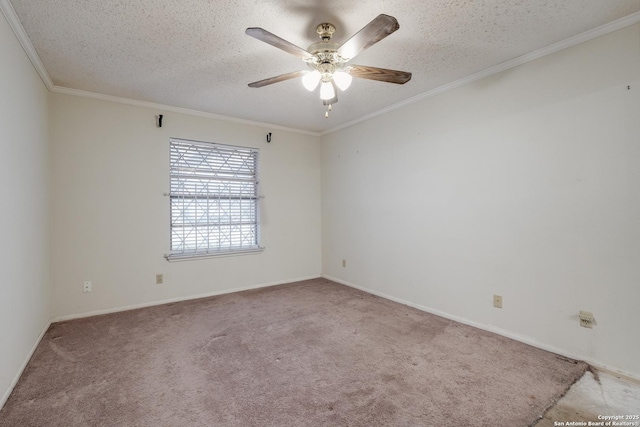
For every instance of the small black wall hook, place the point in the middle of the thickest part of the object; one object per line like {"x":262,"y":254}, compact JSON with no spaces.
{"x":269,"y":137}
{"x":159,"y":123}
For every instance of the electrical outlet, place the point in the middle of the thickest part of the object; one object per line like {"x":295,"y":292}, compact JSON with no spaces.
{"x":344,"y":262}
{"x":86,"y":287}
{"x":159,"y":279}
{"x":497,"y":301}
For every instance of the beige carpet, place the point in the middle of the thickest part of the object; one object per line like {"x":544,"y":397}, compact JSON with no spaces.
{"x":312,"y":353}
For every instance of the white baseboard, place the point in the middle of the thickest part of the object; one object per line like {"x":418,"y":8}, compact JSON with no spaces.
{"x":508,"y":334}
{"x":9,"y":390}
{"x":56,"y":319}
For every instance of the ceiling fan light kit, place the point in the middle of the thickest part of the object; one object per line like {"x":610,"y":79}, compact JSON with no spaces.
{"x":328,"y":60}
{"x":343,"y":79}
{"x":327,"y":91}
{"x":311,"y":80}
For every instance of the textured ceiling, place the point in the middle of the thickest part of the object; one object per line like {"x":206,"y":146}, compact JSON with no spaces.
{"x":194,"y":53}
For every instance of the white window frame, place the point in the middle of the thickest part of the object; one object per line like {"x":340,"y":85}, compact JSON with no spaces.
{"x":214,"y":200}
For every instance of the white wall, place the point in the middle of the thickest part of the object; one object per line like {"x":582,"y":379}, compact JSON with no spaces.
{"x":110,"y":168}
{"x":525,"y":184}
{"x":24,"y":215}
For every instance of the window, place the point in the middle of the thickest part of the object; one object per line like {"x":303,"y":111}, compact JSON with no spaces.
{"x":214,"y":199}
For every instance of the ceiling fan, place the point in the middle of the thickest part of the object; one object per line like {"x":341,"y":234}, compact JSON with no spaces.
{"x":328,"y":61}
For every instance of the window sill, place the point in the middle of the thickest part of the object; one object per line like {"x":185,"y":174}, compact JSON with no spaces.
{"x":194,"y":256}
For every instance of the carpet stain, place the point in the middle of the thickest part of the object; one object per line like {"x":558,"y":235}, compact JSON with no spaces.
{"x":361,"y":393}
{"x":217,"y":337}
{"x":66,"y":355}
{"x":388,"y":378}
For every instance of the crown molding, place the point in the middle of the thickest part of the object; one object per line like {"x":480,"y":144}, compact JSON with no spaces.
{"x":532,"y":56}
{"x":15,"y":24}
{"x":180,"y":110}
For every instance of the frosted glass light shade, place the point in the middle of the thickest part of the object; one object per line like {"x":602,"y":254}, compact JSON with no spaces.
{"x":342,"y":79}
{"x":327,"y":91}
{"x":310,"y":80}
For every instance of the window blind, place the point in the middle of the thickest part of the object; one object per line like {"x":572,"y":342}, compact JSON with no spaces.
{"x":214,"y":198}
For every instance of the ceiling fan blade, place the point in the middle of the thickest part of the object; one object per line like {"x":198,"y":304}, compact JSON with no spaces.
{"x":267,"y":37}
{"x":276,"y":79}
{"x":380,"y":74}
{"x":372,"y":33}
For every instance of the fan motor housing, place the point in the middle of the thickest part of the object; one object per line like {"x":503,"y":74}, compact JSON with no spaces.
{"x":325,"y":51}
{"x":318,"y":47}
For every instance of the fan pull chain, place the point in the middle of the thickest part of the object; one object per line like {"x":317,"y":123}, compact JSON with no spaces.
{"x":326,"y":114}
